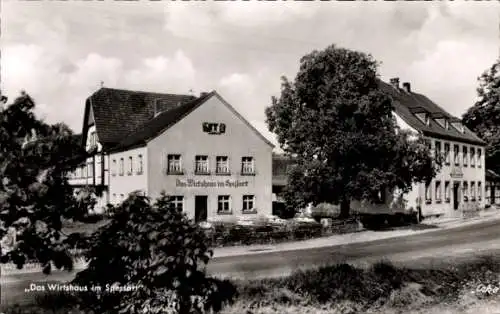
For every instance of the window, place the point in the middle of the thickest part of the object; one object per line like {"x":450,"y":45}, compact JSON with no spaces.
{"x":201,"y":164}
{"x":456,"y":156}
{"x":139,"y":164}
{"x":479,"y":190}
{"x":473,"y":191}
{"x":438,"y":149}
{"x":447,"y":153}
{"x":222,"y":165}
{"x":479,"y":157}
{"x":122,"y":197}
{"x":85,"y":171}
{"x":177,"y":203}
{"x":465,"y":191}
{"x":99,"y":167}
{"x":472,"y":157}
{"x":90,"y":172}
{"x":92,"y":139}
{"x":113,"y":168}
{"x":248,"y":203}
{"x":438,"y":192}
{"x":428,"y":196}
{"x":114,"y":198}
{"x":174,"y":164}
{"x":447,"y":191}
{"x":247,"y":165}
{"x":122,"y":167}
{"x":223,"y":204}
{"x":130,"y":166}
{"x":464,"y":157}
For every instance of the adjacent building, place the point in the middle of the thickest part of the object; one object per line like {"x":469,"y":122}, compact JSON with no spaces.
{"x":460,"y":185}
{"x":198,"y":150}
{"x":492,"y":187}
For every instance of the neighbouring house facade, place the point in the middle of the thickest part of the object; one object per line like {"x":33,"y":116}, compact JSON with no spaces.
{"x":492,"y":187}
{"x":198,"y":150}
{"x":460,"y":184}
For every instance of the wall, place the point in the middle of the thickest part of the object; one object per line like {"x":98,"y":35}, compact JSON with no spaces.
{"x":121,"y":185}
{"x":449,"y":173}
{"x":416,"y":196}
{"x":187,"y":138}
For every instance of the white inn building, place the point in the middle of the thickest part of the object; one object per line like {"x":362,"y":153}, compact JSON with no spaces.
{"x":198,"y":150}
{"x":460,"y":185}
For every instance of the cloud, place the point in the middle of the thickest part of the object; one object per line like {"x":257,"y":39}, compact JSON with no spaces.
{"x":217,"y":21}
{"x":449,"y":72}
{"x":162,"y":74}
{"x":95,"y":68}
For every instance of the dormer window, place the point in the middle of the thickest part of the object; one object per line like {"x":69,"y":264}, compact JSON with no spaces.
{"x":423,"y":117}
{"x":421,"y":114}
{"x":440,"y":121}
{"x":458,"y":126}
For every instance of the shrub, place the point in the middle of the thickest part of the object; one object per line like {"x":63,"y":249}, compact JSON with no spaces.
{"x":157,"y":251}
{"x":282,"y":211}
{"x":325,"y":210}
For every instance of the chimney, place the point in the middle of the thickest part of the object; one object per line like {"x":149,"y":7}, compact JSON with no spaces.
{"x":407,"y":87}
{"x":394,"y":82}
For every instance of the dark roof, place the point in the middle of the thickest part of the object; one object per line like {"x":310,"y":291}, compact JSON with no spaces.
{"x":158,"y":124}
{"x":408,"y":103}
{"x":118,"y":112}
{"x":492,"y":175}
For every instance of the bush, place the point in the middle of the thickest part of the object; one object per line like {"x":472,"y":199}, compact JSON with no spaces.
{"x":282,"y":211}
{"x":325,"y":210}
{"x":159,"y":253}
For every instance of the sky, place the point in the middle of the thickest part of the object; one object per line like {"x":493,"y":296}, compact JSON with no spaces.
{"x":59,"y":52}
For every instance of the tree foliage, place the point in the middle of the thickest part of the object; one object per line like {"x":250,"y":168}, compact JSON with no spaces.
{"x":160,"y":251}
{"x":337,"y":124}
{"x":483,"y":117}
{"x":34,"y":192}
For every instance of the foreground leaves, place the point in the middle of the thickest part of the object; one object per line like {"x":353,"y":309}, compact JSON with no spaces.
{"x":34,"y":192}
{"x":157,"y":252}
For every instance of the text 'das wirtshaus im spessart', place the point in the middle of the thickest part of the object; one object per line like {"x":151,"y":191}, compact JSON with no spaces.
{"x":191,"y":183}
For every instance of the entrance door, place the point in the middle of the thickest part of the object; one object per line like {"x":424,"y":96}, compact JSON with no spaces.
{"x":200,"y":208}
{"x":492,"y":194}
{"x":456,"y":189}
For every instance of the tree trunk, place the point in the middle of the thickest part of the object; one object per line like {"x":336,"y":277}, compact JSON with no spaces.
{"x":344,"y":208}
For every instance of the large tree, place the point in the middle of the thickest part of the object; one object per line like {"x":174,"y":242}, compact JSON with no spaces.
{"x":35,"y":195}
{"x":484,"y":116}
{"x":338,"y":125}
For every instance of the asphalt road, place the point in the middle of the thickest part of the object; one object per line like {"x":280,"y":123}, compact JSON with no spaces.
{"x":415,"y":250}
{"x":420,"y":250}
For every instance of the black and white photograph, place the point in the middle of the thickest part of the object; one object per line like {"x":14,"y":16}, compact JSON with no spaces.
{"x":249,"y":157}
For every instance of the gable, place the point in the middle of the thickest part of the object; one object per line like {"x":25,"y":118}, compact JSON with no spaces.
{"x":213,"y":120}
{"x":209,"y":120}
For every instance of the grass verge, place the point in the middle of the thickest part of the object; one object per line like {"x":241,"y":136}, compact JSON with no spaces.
{"x":381,"y":288}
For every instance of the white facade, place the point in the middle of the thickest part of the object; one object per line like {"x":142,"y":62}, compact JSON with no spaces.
{"x":143,"y":169}
{"x":128,"y":173}
{"x":460,"y":184}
